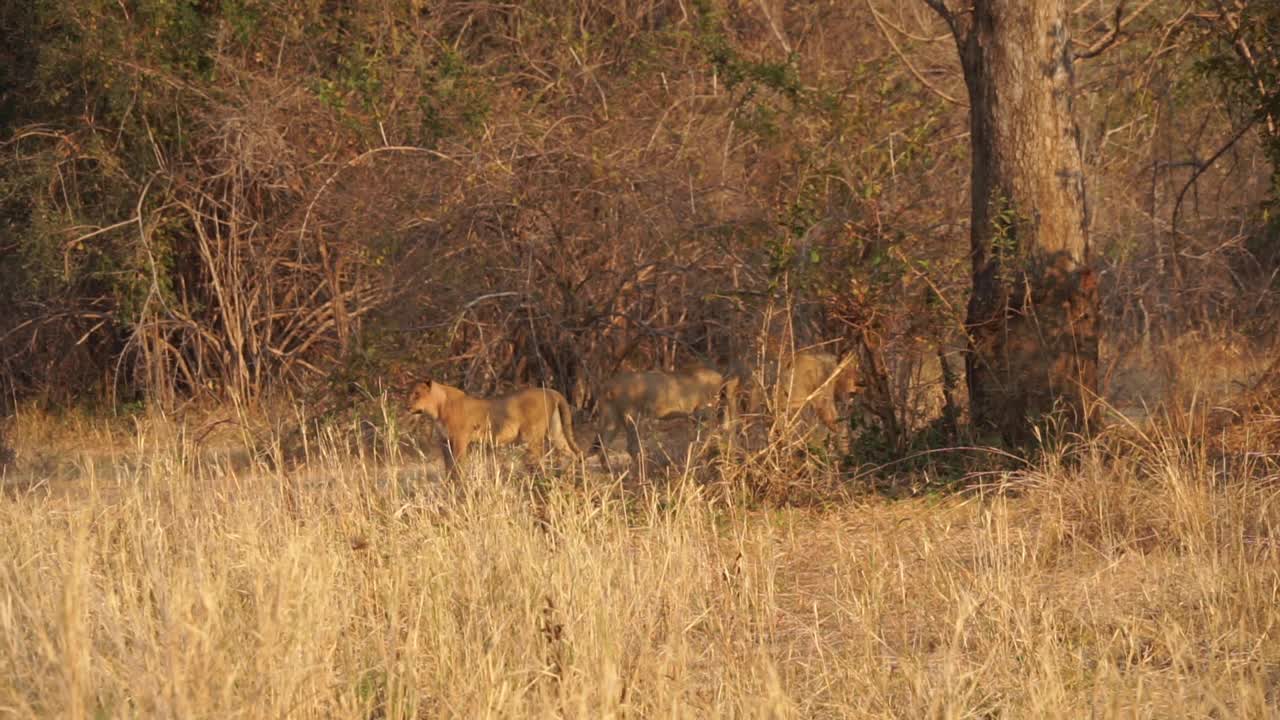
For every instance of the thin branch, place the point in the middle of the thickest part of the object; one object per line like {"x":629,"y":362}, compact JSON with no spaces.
{"x":37,"y":131}
{"x":306,"y":219}
{"x":901,"y":29}
{"x":941,"y":8}
{"x":777,"y":33}
{"x":75,"y":242}
{"x":901,"y":56}
{"x":1246,"y":54}
{"x":959,"y":24}
{"x":1200,"y":170}
{"x":1107,"y":40}
{"x":1117,"y":27}
{"x":490,"y":296}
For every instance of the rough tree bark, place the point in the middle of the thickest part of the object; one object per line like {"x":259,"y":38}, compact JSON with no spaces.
{"x":1033,"y":339}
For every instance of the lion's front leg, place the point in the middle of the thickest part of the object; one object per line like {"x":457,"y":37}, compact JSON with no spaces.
{"x":826,"y":410}
{"x":454,"y":447}
{"x":631,"y":424}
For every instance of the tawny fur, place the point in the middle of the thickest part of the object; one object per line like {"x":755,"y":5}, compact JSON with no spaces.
{"x":630,"y":396}
{"x":805,"y":382}
{"x":529,"y":416}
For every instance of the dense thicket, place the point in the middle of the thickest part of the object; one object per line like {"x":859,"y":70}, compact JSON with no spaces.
{"x":204,"y":197}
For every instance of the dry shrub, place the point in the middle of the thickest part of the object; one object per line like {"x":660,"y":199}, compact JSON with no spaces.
{"x":540,"y":193}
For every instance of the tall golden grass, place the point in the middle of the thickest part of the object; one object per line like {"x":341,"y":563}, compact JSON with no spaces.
{"x":1128,"y":576}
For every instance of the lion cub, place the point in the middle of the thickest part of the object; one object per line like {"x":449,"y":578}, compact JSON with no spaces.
{"x":812,"y":379}
{"x":528,"y":416}
{"x":656,"y":394}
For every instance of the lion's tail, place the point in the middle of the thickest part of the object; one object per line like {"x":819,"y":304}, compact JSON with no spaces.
{"x":566,"y":424}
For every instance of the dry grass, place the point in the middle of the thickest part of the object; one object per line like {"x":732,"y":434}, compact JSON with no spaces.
{"x":1133,"y":577}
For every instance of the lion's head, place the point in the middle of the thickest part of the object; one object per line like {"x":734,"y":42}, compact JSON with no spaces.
{"x":427,"y":398}
{"x":709,"y":383}
{"x":849,"y":381}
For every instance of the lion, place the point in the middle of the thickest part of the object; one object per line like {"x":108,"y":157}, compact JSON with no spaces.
{"x":629,"y":396}
{"x":811,"y":380}
{"x":528,"y":416}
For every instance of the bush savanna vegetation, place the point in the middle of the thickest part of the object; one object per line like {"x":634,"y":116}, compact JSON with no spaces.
{"x":233,"y":234}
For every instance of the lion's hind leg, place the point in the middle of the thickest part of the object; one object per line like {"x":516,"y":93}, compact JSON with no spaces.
{"x":558,"y":434}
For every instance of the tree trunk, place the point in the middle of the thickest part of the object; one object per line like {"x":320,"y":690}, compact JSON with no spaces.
{"x":1033,"y":343}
